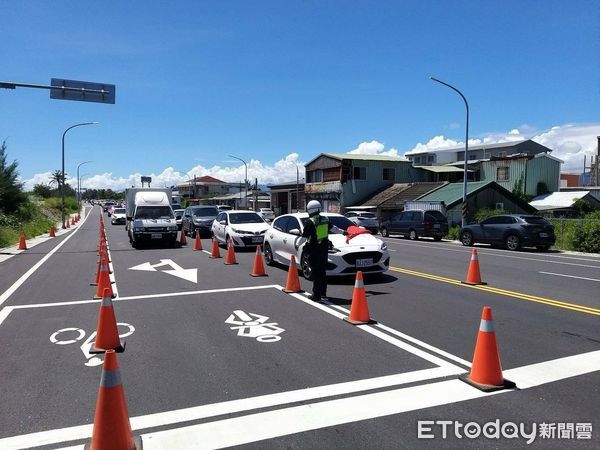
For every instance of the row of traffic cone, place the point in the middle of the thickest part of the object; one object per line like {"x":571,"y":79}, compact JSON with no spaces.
{"x":112,"y":428}
{"x":23,"y":242}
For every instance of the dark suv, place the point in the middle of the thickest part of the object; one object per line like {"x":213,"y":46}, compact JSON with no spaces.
{"x":198,"y":219}
{"x":511,"y":230}
{"x":415,"y":224}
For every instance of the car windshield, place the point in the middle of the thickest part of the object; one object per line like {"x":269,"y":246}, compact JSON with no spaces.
{"x":178,"y":213}
{"x":340,"y":222}
{"x":154,"y":212}
{"x":119,"y":211}
{"x":249,"y":217}
{"x":205,"y":212}
{"x":367,"y":215}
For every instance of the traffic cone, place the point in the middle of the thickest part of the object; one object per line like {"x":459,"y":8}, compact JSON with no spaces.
{"x":215,"y":249}
{"x":182,"y":238}
{"x":230,"y":257}
{"x":486,"y":370}
{"x":359,"y":311}
{"x":473,"y":275}
{"x":107,"y":333}
{"x":73,"y":221}
{"x":198,"y":242}
{"x":67,"y":225}
{"x":112,"y":429}
{"x":293,"y":281}
{"x":258,"y":270}
{"x":104,"y":280}
{"x":22,"y":243}
{"x":52,"y":232}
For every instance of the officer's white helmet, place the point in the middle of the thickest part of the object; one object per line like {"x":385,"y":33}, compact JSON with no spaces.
{"x":313,"y":207}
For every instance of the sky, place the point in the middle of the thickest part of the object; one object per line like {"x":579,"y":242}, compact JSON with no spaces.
{"x":276,"y":83}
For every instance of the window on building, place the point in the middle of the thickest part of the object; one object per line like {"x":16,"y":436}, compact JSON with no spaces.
{"x":430,"y":158}
{"x":314,"y":176}
{"x":502,"y":174}
{"x":418,"y":160}
{"x":472,"y":156}
{"x":360,"y":173}
{"x":389,"y":174}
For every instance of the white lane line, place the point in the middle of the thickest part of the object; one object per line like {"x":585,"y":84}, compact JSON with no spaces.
{"x":6,"y":294}
{"x":569,"y":276}
{"x":229,"y":407}
{"x":142,"y":297}
{"x":4,"y":313}
{"x":297,"y":419}
{"x":486,"y":251}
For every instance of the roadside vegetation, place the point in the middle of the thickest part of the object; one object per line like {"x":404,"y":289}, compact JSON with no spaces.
{"x":31,"y":213}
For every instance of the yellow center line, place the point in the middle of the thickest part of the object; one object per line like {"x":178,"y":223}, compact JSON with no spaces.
{"x":519,"y":295}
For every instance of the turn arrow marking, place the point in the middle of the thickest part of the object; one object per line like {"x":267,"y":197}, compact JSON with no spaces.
{"x":176,"y":269}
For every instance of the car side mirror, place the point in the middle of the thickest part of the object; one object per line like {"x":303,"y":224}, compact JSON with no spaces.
{"x":295,"y":231}
{"x":223,"y":222}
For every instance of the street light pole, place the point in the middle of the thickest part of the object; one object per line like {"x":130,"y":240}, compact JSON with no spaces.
{"x":297,"y":189}
{"x":246,"y":177}
{"x":79,"y":184}
{"x":62,"y":184}
{"x":464,"y":202}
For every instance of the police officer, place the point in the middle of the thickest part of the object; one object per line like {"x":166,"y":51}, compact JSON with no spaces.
{"x":316,"y":231}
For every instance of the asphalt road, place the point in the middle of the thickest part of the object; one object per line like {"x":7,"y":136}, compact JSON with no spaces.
{"x":217,"y":358}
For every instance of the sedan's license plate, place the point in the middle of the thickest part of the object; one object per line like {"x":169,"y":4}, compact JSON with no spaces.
{"x":366,"y":262}
{"x":257,"y":239}
{"x":156,"y":236}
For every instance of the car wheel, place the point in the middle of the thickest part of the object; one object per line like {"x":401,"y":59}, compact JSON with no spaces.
{"x":305,"y":266}
{"x":268,"y":255}
{"x":466,"y":238}
{"x":543,"y":248}
{"x":512,"y":242}
{"x":384,"y":232}
{"x":412,"y":235}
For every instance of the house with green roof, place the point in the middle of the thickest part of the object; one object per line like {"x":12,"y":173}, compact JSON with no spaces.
{"x":338,"y":180}
{"x":480,"y":194}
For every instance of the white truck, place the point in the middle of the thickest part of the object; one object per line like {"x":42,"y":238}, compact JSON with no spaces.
{"x":149,"y":216}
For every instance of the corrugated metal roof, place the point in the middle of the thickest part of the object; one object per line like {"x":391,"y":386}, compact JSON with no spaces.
{"x":453,"y":192}
{"x":443,"y":169}
{"x":396,"y":195}
{"x":459,"y":148}
{"x":557,"y":199}
{"x":366,"y":157}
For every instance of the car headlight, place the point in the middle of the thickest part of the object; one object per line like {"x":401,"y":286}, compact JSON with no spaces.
{"x":238,"y":231}
{"x":138,"y":229}
{"x":334,"y":250}
{"x":383,"y":246}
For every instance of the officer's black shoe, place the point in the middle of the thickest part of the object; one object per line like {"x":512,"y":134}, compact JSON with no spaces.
{"x":314,"y":298}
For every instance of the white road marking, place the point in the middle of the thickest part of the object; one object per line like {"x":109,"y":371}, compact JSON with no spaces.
{"x":177,"y":270}
{"x":500,"y":253}
{"x":569,"y":276}
{"x":229,"y":407}
{"x":10,"y":291}
{"x":297,"y":419}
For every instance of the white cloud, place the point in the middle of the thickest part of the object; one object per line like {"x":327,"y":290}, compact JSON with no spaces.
{"x":373,"y":148}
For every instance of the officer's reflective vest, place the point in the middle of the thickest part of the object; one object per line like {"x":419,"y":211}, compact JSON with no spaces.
{"x":322,"y":226}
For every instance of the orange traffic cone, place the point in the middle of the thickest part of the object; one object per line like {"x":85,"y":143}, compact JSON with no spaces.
{"x":52,"y":232}
{"x":359,"y":311}
{"x":473,"y":275}
{"x":486,"y":371}
{"x":182,"y":239}
{"x":198,"y":242}
{"x":112,"y":429}
{"x":22,"y":243}
{"x":104,"y":280}
{"x":67,"y":225}
{"x":293,"y":281}
{"x":230,"y":257}
{"x":107,"y":333}
{"x":215,"y":249}
{"x":73,"y":221}
{"x":259,"y":267}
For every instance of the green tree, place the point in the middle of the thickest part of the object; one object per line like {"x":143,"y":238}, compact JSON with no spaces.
{"x":42,"y":190}
{"x":56,"y":178}
{"x":519,"y":191}
{"x":11,"y":190}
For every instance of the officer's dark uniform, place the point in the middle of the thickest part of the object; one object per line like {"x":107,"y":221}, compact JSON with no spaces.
{"x":316,"y":232}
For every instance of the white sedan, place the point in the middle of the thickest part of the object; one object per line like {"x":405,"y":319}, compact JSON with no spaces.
{"x":347,"y":254}
{"x":244,"y":228}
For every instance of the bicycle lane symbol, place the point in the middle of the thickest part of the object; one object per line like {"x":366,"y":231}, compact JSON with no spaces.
{"x":67,"y":336}
{"x":254,"y":326}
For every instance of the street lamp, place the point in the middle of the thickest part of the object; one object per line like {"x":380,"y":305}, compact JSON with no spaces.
{"x":62,"y":185}
{"x":464,"y":202}
{"x":246,"y":177}
{"x":79,"y":184}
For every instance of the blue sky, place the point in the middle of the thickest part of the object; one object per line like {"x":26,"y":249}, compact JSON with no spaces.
{"x":278,"y":82}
